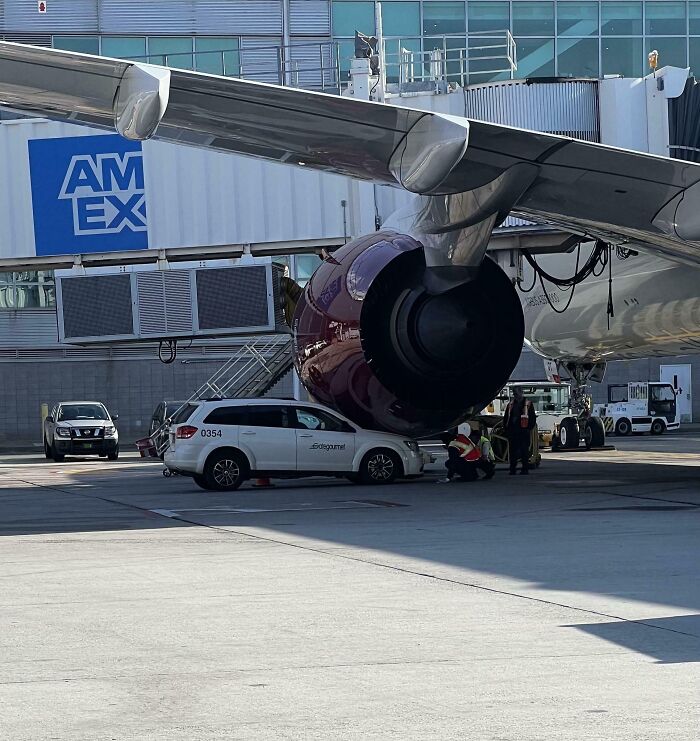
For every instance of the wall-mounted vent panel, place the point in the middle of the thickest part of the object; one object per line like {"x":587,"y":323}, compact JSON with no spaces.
{"x":214,"y":291}
{"x":165,"y":302}
{"x":215,"y":298}
{"x":97,"y":305}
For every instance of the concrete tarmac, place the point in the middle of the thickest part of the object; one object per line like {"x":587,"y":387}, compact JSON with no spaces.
{"x":562,"y":605}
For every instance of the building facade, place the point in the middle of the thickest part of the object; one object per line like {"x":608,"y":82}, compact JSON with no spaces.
{"x":262,"y":38}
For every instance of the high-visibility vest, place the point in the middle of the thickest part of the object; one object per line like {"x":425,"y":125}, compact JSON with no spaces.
{"x":466,"y":448}
{"x":489,"y":450}
{"x":524,"y":415}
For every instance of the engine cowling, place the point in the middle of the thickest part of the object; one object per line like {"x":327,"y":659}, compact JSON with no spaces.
{"x":373,"y":343}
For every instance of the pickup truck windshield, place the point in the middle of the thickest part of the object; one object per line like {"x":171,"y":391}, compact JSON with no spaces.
{"x":69,"y":412}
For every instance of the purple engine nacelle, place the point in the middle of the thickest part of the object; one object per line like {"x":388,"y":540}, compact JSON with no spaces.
{"x":373,"y":343}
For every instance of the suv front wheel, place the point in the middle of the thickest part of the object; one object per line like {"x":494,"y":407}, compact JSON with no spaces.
{"x":225,"y":470}
{"x":380,"y":466}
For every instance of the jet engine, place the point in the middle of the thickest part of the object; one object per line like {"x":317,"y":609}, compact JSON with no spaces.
{"x":372,"y":341}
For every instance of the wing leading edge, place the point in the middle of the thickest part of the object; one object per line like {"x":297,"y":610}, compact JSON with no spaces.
{"x":587,"y":188}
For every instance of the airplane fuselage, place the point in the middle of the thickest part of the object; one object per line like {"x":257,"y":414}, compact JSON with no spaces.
{"x":656,"y":310}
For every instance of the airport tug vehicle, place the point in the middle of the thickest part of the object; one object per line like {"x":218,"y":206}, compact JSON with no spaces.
{"x":639,"y":406}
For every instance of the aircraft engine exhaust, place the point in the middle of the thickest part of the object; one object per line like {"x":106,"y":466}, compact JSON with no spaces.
{"x":373,"y":343}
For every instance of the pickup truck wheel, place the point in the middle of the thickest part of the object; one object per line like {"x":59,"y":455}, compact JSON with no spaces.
{"x":380,"y":466}
{"x":225,"y":470}
{"x":47,"y":450}
{"x":113,"y":456}
{"x":58,"y":457}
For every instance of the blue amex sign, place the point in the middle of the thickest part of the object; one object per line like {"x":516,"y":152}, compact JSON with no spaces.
{"x":87,"y":195}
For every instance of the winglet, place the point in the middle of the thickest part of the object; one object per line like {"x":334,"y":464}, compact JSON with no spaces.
{"x":141,"y":100}
{"x":429,"y":152}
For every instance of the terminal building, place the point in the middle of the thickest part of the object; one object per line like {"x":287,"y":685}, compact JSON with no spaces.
{"x":468,"y":58}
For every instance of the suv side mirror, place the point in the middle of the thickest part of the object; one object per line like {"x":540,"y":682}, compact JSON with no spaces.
{"x":114,"y":417}
{"x":49,"y":418}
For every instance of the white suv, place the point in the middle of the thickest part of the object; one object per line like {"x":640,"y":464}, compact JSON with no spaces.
{"x":220,"y":444}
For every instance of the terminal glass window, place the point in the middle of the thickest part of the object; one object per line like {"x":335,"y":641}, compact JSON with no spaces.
{"x":349,"y":17}
{"x":694,"y":18}
{"x":27,"y":290}
{"x":217,"y":55}
{"x":82,"y":44}
{"x":578,"y":57}
{"x":401,"y":19}
{"x":621,"y":18}
{"x":533,"y":19}
{"x":694,"y":61}
{"x":665,"y":18}
{"x":577,"y":19}
{"x":488,"y":16}
{"x":124,"y":47}
{"x":443,"y":18}
{"x":171,"y":51}
{"x":623,"y":57}
{"x":672,"y":50}
{"x":535,"y":57}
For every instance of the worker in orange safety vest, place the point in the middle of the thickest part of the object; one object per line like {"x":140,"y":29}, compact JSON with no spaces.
{"x":463,"y":456}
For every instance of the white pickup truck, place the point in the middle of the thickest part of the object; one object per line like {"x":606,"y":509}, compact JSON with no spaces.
{"x":80,"y":428}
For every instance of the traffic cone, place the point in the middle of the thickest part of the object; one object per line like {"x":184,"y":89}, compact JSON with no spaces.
{"x":263,"y":483}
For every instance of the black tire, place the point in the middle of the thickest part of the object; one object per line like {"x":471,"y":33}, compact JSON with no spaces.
{"x":623,"y":427}
{"x":47,"y":450}
{"x":594,"y":433}
{"x":380,"y":466}
{"x":658,"y":427}
{"x":58,"y":457}
{"x":568,"y":433}
{"x":225,"y":470}
{"x":113,"y":456}
{"x":201,"y":482}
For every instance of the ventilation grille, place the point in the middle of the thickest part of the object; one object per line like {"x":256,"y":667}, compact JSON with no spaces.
{"x":233,"y":297}
{"x":97,"y":306}
{"x":165,"y":303}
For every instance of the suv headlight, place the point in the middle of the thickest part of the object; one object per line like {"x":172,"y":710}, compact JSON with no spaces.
{"x":63,"y":431}
{"x":412,"y":445}
{"x":109,"y":431}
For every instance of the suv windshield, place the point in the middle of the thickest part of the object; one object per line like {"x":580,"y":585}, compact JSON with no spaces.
{"x":69,"y":412}
{"x":547,"y":399}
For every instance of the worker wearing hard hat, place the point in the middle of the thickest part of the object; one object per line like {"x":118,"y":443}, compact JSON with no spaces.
{"x":462,"y":456}
{"x":518,"y":421}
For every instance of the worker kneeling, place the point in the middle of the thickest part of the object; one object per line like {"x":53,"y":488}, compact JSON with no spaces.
{"x":468,"y":453}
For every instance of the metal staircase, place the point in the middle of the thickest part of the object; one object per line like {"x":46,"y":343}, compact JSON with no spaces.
{"x":251,"y":372}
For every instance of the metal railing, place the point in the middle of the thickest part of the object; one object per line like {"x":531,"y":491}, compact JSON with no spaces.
{"x":484,"y":56}
{"x":249,"y":373}
{"x":314,"y":66}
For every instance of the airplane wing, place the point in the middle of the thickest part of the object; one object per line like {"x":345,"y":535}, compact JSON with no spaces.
{"x":621,"y":196}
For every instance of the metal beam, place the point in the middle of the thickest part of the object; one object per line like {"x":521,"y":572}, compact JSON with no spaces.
{"x":173,"y":254}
